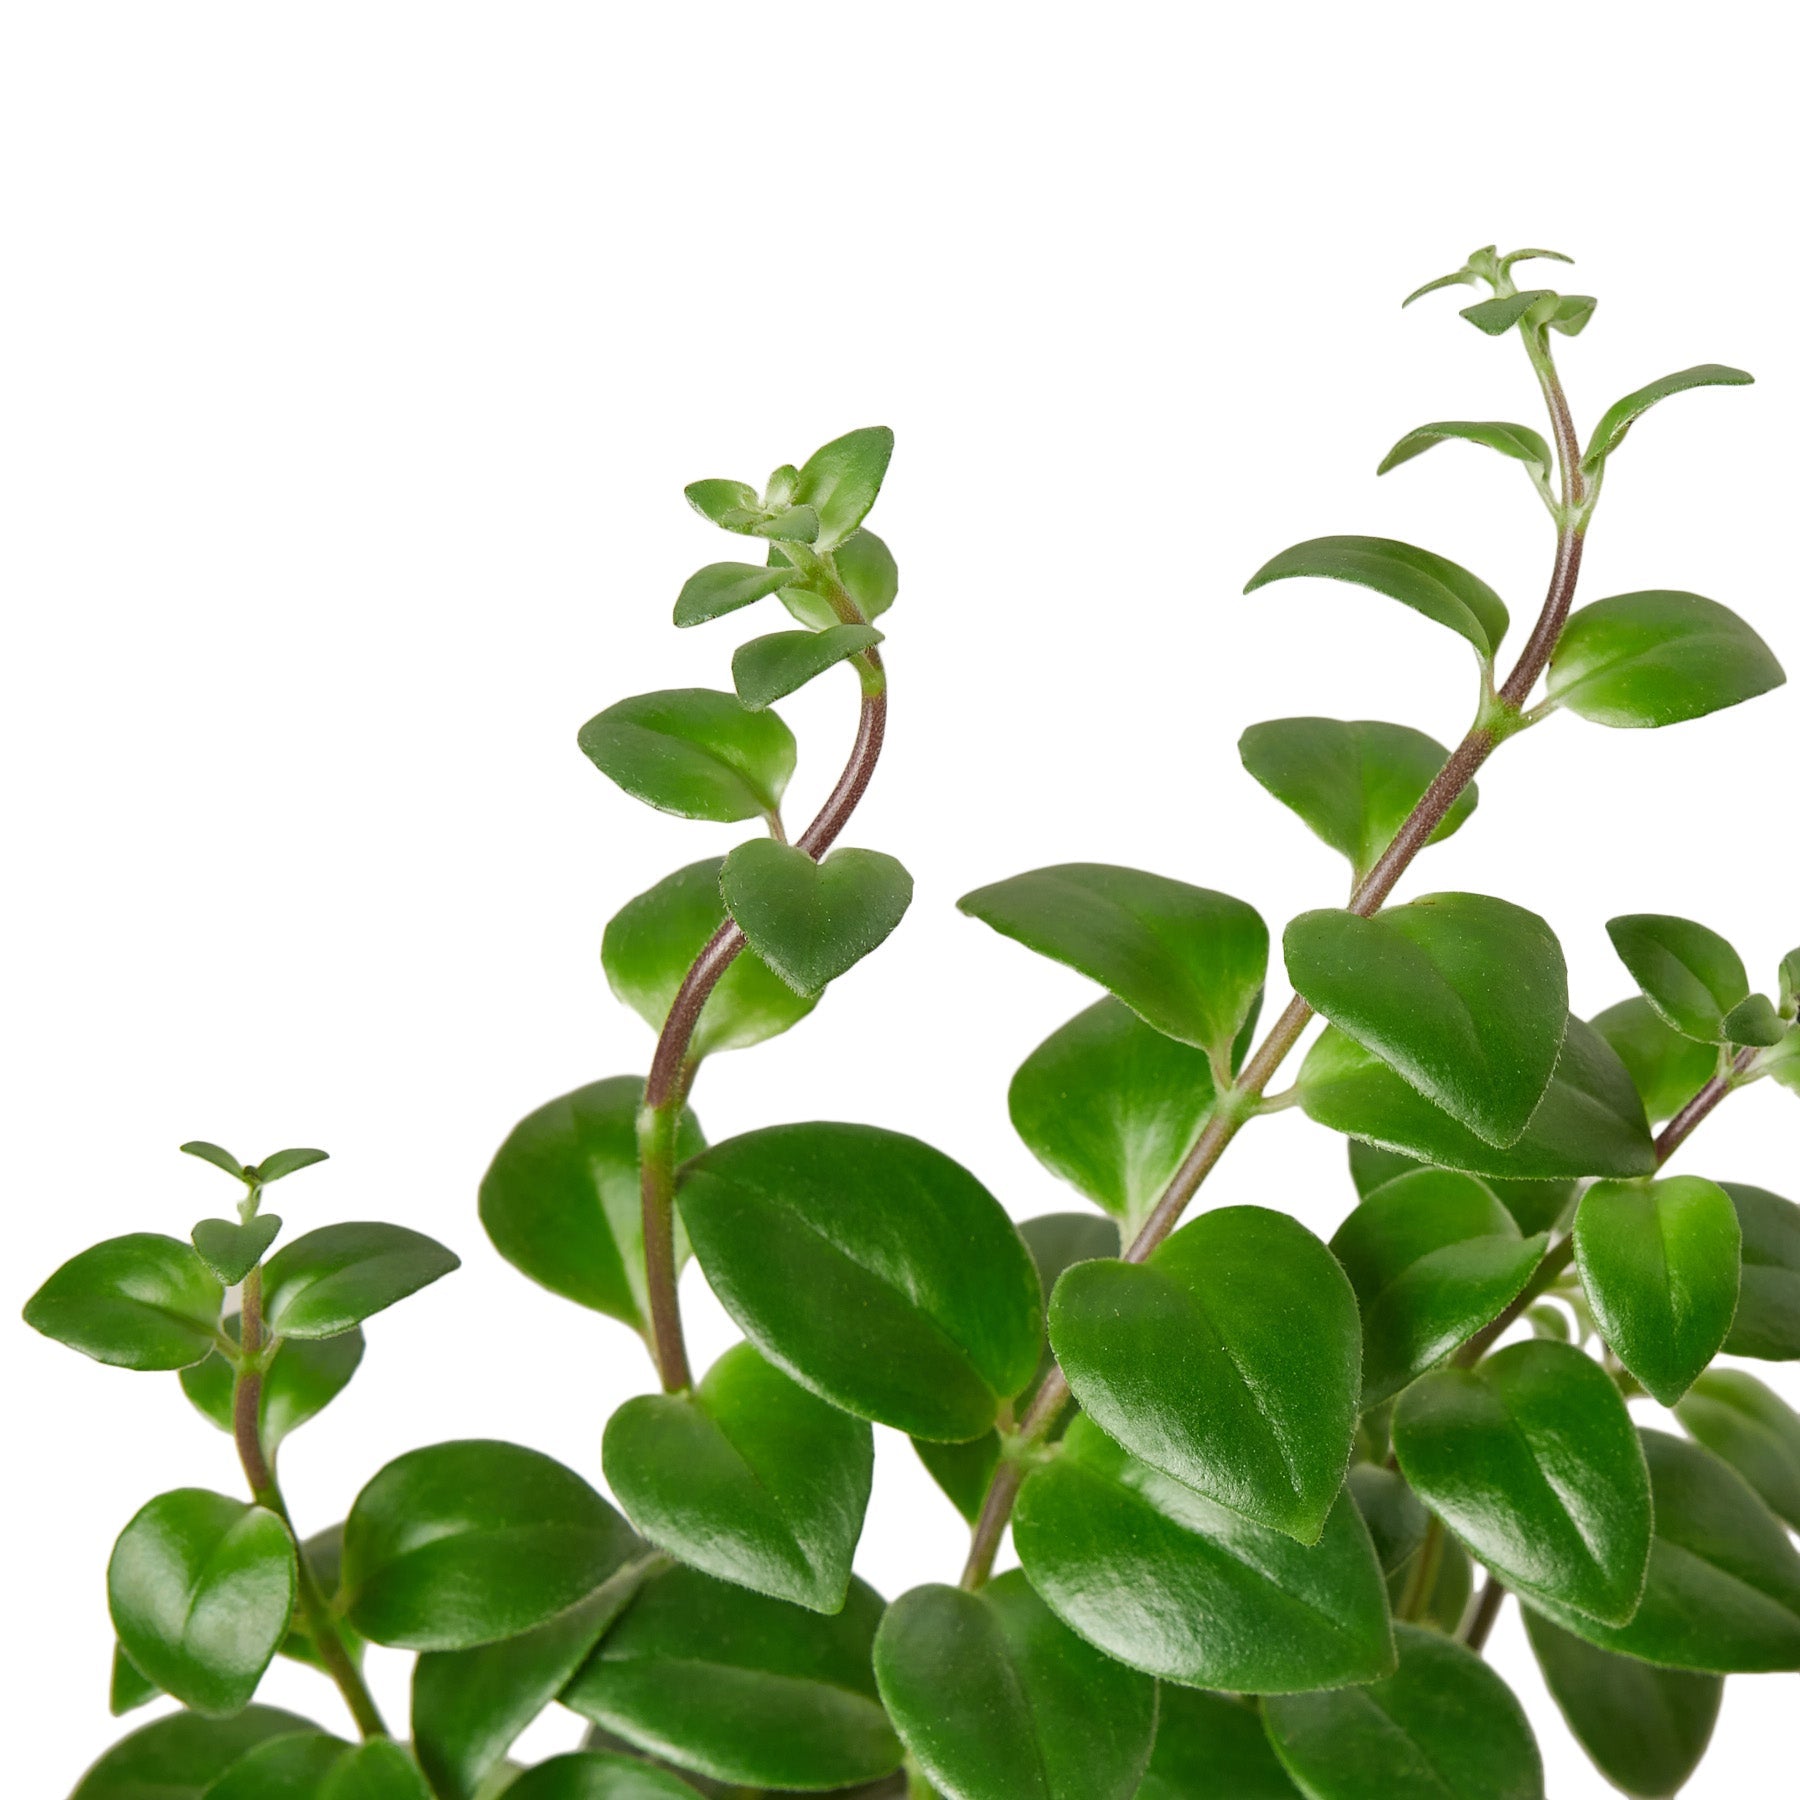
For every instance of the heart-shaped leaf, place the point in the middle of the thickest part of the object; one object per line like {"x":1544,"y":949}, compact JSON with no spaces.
{"x":596,"y":1775}
{"x":339,"y":1275}
{"x":230,"y":1250}
{"x":1443,"y":1726}
{"x":180,"y":1756}
{"x":1415,"y":984}
{"x":810,"y":921}
{"x":1168,"y":1582}
{"x":1229,"y":1360}
{"x":740,"y":1687}
{"x":303,"y":1378}
{"x":652,"y":942}
{"x":870,"y":1267}
{"x":561,"y":1201}
{"x":1519,"y":442}
{"x":1644,"y":1728}
{"x":768,"y":668}
{"x":464,"y":1543}
{"x":998,"y":1700}
{"x":143,"y":1301}
{"x":1430,"y":584}
{"x":865,"y":566}
{"x":1659,"y":1261}
{"x":840,"y":480}
{"x":1723,"y":1592}
{"x":693,"y":752}
{"x":1735,"y":1416}
{"x":1767,"y":1324}
{"x":1432,"y":1256}
{"x":723,"y":587}
{"x":1690,"y":975}
{"x":1656,"y":658}
{"x":1589,"y":1122}
{"x":1754,"y":1022}
{"x":201,"y":1588}
{"x":1667,"y":1068}
{"x":1530,"y":1458}
{"x":1622,"y":414}
{"x":1212,"y":1747}
{"x":1185,"y":959}
{"x":748,"y":1477}
{"x":1354,"y":782}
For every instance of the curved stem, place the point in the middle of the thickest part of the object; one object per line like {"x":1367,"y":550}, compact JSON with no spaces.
{"x":1474,"y":1630}
{"x":259,"y":1471}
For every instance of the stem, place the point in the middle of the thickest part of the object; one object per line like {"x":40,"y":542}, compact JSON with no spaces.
{"x":1422,"y":1577}
{"x":259,"y":1471}
{"x":1475,"y":1629}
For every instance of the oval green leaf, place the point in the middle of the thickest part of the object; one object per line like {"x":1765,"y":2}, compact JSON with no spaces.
{"x":284,"y":1163}
{"x":284,"y":1768}
{"x":181,"y":1756}
{"x":300,"y":1382}
{"x":1735,"y":1416}
{"x":1622,"y":414}
{"x":840,"y":480}
{"x":768,"y":668}
{"x":721,"y":588}
{"x":334,"y":1278}
{"x":1667,"y":1068}
{"x":1689,"y":974}
{"x":1767,"y":1325}
{"x":1519,"y":442}
{"x":143,"y":1301}
{"x":596,"y":1775}
{"x":694,"y":752}
{"x":1534,"y":1205}
{"x":1212,"y":1747}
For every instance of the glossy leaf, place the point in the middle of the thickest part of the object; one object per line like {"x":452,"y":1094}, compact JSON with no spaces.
{"x":1689,"y":974}
{"x":1394,"y":1514}
{"x":1212,"y":1747}
{"x":1644,"y":1728}
{"x":302,"y":1380}
{"x":1667,"y":1068}
{"x":595,"y":1775}
{"x":693,"y":752}
{"x":1657,"y":658}
{"x":1185,"y":959}
{"x":1415,"y":984}
{"x":464,"y":1543}
{"x":748,"y":1477}
{"x":1590,"y":1121}
{"x":1443,"y":591}
{"x":1534,"y":1205}
{"x":1499,"y":315}
{"x":284,"y":1163}
{"x":143,"y":1301}
{"x":232,"y":1250}
{"x":768,"y":668}
{"x":865,"y":566}
{"x":284,"y":1768}
{"x":217,"y":1155}
{"x":870,"y":1267}
{"x":812,"y":921}
{"x":1519,"y":442}
{"x":178,"y":1757}
{"x":1229,"y":1360}
{"x":1112,"y":1106}
{"x":1767,"y":1324}
{"x":1622,"y":414}
{"x":840,"y":480}
{"x":1432,"y":1257}
{"x":1723,"y":1592}
{"x":997,"y":1699}
{"x":721,"y":588}
{"x":1354,"y":782}
{"x":1530,"y":1458}
{"x":561,"y":1201}
{"x":741,"y":1687}
{"x":1735,"y":1416}
{"x":201,"y":1588}
{"x":1168,"y":1582}
{"x":377,"y":1770}
{"x":129,"y":1687}
{"x":339,"y":1275}
{"x":1443,"y":1726}
{"x":1753,"y":1021}
{"x":652,"y":942}
{"x":1659,"y":1262}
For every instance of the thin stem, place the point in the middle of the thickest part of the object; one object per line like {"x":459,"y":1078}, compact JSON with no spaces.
{"x":259,"y":1471}
{"x":996,"y":1509}
{"x":1422,"y":1578}
{"x":1475,"y":1628}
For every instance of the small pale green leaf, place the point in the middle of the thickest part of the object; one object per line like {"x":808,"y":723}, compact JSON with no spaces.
{"x":1689,"y":974}
{"x":719,"y":500}
{"x":1754,"y":1022}
{"x":219,"y":1157}
{"x":1667,"y":1068}
{"x":339,"y":1275}
{"x":1501,"y":314}
{"x":284,"y":1163}
{"x":180,"y":1756}
{"x":1456,"y":278}
{"x":1212,"y":1747}
{"x":143,"y":1301}
{"x":693,"y":752}
{"x":1572,"y":314}
{"x":596,"y":1775}
{"x":1767,"y":1325}
{"x":130,"y":1687}
{"x":305,"y":1376}
{"x":232,"y":1250}
{"x":840,"y":480}
{"x":767,"y":668}
{"x":1622,"y":414}
{"x":1735,"y":1416}
{"x":722,"y":588}
{"x":1519,"y":442}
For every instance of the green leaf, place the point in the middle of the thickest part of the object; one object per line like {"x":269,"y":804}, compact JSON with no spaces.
{"x":1186,"y":960}
{"x":748,"y":1477}
{"x":464,"y":1543}
{"x":1230,"y":1360}
{"x":1168,"y":1582}
{"x":1417,"y":985}
{"x":284,"y":1163}
{"x":377,"y":1770}
{"x":1659,"y":1261}
{"x":1723,"y":1593}
{"x":840,"y":480}
{"x":1667,"y":1068}
{"x":1622,"y":414}
{"x":722,"y":588}
{"x":1212,"y":1747}
{"x":1655,"y":658}
{"x":1498,"y":316}
{"x":594,"y":1775}
{"x":469,"y":1705}
{"x":1531,"y":1460}
{"x":1443,"y":1726}
{"x":866,"y":568}
{"x":1519,"y":442}
{"x":719,"y":500}
{"x":1432,"y":1256}
{"x":1590,"y":1121}
{"x":219,"y":1158}
{"x":1464,"y":277}
{"x":1644,"y":1728}
{"x":304,"y":1377}
{"x":998,"y":1700}
{"x":652,"y":943}
{"x":1447,"y":1598}
{"x":1572,"y":314}
{"x":231,"y":1250}
{"x":1394,"y":1514}
{"x":1112,"y":1106}
{"x":130,"y":1687}
{"x":767,"y":668}
{"x":1689,"y":974}
{"x":1443,"y":591}
{"x":811,"y":921}
{"x":339,"y":1275}
{"x":1767,"y":1324}
{"x":284,"y":1768}
{"x":1735,"y":1416}
{"x":561,"y":1202}
{"x":736,"y":506}
{"x":180,"y":1756}
{"x":1753,"y":1021}
{"x":693,"y":752}
{"x":741,"y":1687}
{"x":201,"y":1588}
{"x":1535,"y":1205}
{"x":872,"y":1269}
{"x":143,"y":1301}
{"x":1353,"y":782}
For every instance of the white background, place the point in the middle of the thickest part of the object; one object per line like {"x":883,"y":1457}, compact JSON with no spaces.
{"x":354,"y":360}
